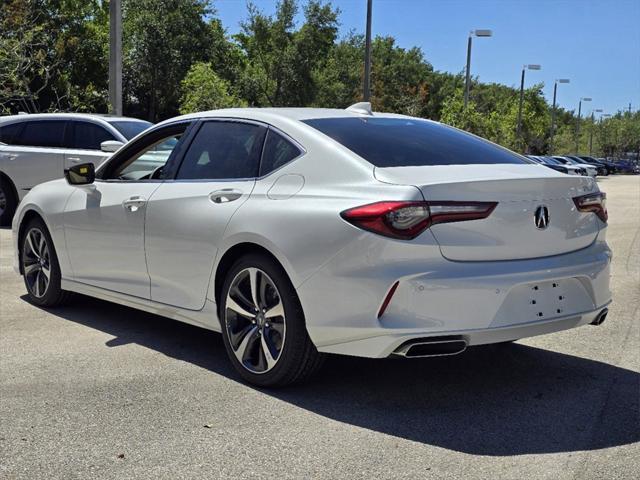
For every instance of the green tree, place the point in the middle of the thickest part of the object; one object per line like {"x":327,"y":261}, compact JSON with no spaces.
{"x":203,"y":89}
{"x":280,"y":60}
{"x":162,"y":39}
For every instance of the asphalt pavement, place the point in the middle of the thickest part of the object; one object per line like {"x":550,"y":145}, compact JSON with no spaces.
{"x":95,"y":390}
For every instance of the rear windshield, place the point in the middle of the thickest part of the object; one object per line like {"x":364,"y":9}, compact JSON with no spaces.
{"x":399,"y":142}
{"x":130,"y":129}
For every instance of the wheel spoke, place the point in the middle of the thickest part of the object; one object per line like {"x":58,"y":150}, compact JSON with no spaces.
{"x":41,"y":245}
{"x":266,"y":350}
{"x":29,"y":269}
{"x":233,"y":305}
{"x":275,"y":311}
{"x":253,"y":282}
{"x":31,"y":246}
{"x":36,"y":284}
{"x":241,"y":351}
{"x":47,"y":273}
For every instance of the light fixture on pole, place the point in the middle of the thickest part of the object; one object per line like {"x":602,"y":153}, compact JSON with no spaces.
{"x":524,"y":68}
{"x":582,"y":99}
{"x":472,"y":33}
{"x":599,"y":110}
{"x":553,"y":111}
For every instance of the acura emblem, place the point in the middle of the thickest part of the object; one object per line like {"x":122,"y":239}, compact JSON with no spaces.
{"x":541,"y":217}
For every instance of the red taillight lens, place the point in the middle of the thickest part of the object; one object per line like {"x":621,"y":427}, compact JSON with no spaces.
{"x":406,"y":220}
{"x":593,"y":202}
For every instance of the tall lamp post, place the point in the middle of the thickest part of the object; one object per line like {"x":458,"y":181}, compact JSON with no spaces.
{"x":115,"y":56}
{"x":524,"y":68}
{"x":367,"y":57}
{"x":582,"y":99}
{"x":472,"y":33}
{"x":553,"y":111}
{"x":598,"y":110}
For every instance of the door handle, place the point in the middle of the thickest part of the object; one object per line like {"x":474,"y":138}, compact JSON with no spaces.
{"x":225,"y":195}
{"x":133,"y":204}
{"x":11,"y":156}
{"x":74,"y":159}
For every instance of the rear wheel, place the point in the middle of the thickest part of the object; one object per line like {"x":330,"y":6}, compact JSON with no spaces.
{"x":8,"y":202}
{"x":263,"y":324}
{"x":41,"y":270}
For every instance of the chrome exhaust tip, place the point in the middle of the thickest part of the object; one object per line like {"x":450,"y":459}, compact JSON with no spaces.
{"x":599,"y":320}
{"x":431,"y":347}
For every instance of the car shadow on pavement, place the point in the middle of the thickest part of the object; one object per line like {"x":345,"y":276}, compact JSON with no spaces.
{"x":494,"y":400}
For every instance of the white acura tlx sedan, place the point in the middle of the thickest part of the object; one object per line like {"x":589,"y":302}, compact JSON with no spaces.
{"x":298,"y":232}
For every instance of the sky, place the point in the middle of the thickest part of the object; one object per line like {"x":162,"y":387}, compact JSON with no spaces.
{"x":594,"y":43}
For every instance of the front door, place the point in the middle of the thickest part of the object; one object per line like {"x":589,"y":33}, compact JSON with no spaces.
{"x":105,"y":221}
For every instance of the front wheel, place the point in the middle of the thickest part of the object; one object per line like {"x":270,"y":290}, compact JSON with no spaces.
{"x":263,"y":324}
{"x":40,"y":267}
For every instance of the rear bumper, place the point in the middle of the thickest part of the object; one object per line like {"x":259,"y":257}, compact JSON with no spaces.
{"x":385,"y":345}
{"x":486,"y":302}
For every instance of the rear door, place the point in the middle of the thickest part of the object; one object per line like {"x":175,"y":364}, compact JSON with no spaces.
{"x":37,"y":154}
{"x":83,"y":141}
{"x":188,"y":214}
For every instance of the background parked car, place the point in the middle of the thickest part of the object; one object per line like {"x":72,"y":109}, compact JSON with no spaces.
{"x":610,"y":166}
{"x":557,"y":166}
{"x":600,"y":168}
{"x":627,"y":166}
{"x":36,"y":148}
{"x":592,"y":170}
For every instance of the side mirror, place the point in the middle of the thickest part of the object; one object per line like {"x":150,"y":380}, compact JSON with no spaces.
{"x":83,"y":174}
{"x":110,"y":146}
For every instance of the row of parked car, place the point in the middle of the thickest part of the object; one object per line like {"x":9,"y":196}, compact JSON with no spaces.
{"x":585,"y":165}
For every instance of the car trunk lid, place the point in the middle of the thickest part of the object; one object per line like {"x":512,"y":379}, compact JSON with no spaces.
{"x":512,"y":230}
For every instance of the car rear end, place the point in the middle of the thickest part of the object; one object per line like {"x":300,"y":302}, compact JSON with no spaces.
{"x":492,"y":248}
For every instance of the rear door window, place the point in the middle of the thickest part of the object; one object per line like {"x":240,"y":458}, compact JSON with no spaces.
{"x":223,"y":150}
{"x":277,"y":152}
{"x":8,"y":133}
{"x":42,"y":133}
{"x":89,"y":136}
{"x":400,"y":142}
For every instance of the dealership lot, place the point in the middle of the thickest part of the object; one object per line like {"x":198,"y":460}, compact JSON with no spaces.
{"x":95,"y":390}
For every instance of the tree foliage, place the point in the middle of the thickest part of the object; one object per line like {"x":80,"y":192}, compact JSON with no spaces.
{"x":178,"y":57}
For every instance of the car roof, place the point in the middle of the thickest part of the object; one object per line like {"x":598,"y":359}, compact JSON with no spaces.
{"x":59,"y":116}
{"x":296,"y":114}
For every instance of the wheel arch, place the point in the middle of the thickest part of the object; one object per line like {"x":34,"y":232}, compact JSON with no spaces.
{"x":12,"y":185}
{"x":24,"y":221}
{"x":234,"y":253}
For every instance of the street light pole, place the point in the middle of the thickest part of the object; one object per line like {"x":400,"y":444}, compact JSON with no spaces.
{"x":553,"y":112}
{"x":367,"y":57}
{"x":467,"y":82}
{"x":115,"y":57}
{"x":525,"y":67}
{"x":582,"y":99}
{"x":599,"y":110}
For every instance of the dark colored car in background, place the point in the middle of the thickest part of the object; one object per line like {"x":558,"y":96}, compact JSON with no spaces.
{"x":610,"y":166}
{"x":602,"y":169}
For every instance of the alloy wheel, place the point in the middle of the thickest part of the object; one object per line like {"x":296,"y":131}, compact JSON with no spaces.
{"x":36,"y":262}
{"x":255,"y":320}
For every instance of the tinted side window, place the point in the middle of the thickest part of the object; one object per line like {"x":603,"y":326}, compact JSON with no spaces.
{"x":400,"y":142}
{"x":44,"y":133}
{"x":223,"y":150}
{"x":8,"y":133}
{"x":89,"y":136}
{"x":277,"y":152}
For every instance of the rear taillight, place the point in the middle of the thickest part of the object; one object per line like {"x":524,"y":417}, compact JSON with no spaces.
{"x":593,"y":202}
{"x":406,"y":220}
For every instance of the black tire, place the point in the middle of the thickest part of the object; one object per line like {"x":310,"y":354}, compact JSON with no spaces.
{"x":52,"y":295}
{"x":298,"y":358}
{"x":8,"y":202}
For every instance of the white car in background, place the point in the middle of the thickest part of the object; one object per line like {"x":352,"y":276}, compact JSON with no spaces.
{"x":300,"y":231}
{"x":592,"y":171}
{"x":35,"y":148}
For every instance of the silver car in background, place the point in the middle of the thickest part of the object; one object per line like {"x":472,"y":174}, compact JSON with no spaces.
{"x":35,"y":148}
{"x":297,"y":232}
